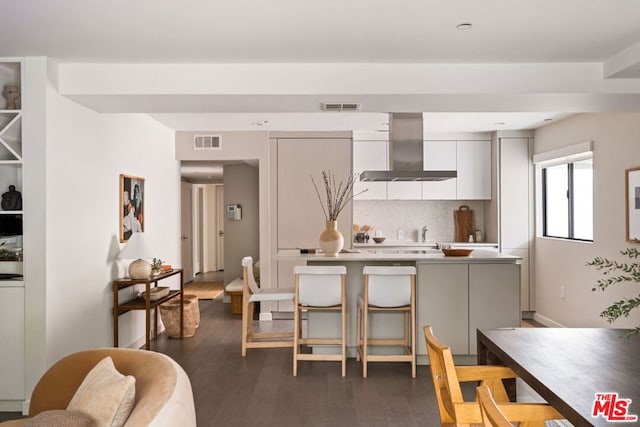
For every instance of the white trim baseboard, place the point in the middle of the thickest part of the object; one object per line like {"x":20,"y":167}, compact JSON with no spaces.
{"x":546,"y":321}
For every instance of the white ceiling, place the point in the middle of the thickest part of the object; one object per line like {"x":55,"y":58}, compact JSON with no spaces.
{"x":330,"y":31}
{"x":352,"y":31}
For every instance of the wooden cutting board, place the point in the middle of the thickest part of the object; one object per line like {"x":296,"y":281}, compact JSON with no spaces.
{"x":465,"y":224}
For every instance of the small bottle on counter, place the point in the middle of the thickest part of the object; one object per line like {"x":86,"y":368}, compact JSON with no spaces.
{"x":478,"y":236}
{"x":470,"y":238}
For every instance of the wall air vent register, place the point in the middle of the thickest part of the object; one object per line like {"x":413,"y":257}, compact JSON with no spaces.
{"x":336,"y":106}
{"x":207,"y":142}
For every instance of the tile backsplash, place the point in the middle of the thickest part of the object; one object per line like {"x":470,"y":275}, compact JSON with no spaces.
{"x":410,"y":216}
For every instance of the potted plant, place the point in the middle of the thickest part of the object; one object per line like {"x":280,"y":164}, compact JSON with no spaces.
{"x":156,"y":266}
{"x":626,"y":273}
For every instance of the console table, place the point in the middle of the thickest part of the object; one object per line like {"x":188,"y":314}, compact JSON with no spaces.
{"x":145,"y":303}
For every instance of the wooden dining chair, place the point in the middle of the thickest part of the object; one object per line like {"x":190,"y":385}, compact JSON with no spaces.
{"x":251,"y":294}
{"x":454,"y":411}
{"x":492,"y":416}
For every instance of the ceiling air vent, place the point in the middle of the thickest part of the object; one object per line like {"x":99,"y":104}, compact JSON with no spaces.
{"x":207,"y":142}
{"x":335,"y":106}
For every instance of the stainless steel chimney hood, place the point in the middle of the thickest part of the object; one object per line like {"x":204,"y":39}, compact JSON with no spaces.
{"x":405,"y":153}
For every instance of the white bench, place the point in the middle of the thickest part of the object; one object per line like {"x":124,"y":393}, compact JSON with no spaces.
{"x":234,"y":290}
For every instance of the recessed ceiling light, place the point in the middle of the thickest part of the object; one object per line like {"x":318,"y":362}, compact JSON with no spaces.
{"x":548,"y":119}
{"x":464,"y":26}
{"x":499,"y":123}
{"x":260,"y":123}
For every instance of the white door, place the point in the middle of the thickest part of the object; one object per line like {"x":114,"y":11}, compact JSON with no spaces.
{"x":187,"y":230}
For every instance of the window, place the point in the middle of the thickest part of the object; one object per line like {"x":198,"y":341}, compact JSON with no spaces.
{"x":567,"y":192}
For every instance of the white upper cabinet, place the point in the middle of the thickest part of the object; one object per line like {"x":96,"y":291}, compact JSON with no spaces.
{"x":471,"y":159}
{"x":370,"y":155}
{"x":474,"y":170}
{"x":439,"y":156}
{"x":404,"y":191}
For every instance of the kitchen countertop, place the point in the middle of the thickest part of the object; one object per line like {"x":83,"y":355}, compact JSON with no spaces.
{"x":427,"y":255}
{"x":407,"y":243}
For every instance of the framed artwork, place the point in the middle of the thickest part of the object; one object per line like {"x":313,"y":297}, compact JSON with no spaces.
{"x":632,"y":183}
{"x":131,"y":208}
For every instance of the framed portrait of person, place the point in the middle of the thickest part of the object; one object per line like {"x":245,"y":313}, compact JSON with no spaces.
{"x":131,"y":208}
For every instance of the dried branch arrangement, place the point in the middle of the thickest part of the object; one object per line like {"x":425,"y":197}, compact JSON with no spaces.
{"x":338,"y":194}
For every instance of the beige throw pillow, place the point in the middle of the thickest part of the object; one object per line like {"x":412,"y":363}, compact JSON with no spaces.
{"x":60,"y":418}
{"x":105,"y":395}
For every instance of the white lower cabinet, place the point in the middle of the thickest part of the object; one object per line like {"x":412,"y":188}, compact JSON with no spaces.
{"x":494,"y":298}
{"x":442,"y":299}
{"x":12,"y":330}
{"x":457,"y":299}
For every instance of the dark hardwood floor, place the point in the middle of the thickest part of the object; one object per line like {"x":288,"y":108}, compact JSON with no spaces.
{"x":259,"y":390}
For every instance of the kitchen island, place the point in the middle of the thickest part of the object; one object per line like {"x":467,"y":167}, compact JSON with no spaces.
{"x":455,"y":295}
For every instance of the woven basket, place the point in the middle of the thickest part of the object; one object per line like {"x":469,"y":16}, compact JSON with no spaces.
{"x":195,"y":305}
{"x":170,"y":314}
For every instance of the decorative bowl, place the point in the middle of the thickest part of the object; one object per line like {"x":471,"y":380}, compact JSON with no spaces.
{"x":379,"y":239}
{"x":456,"y":252}
{"x":156,"y":293}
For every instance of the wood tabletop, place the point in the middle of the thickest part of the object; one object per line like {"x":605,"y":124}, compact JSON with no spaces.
{"x":568,"y":366}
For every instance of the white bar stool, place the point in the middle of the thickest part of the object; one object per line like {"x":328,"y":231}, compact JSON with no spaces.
{"x":387,"y":289}
{"x":319,"y":288}
{"x":251,"y":294}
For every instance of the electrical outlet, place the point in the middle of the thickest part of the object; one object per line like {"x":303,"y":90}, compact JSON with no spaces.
{"x":563,"y":292}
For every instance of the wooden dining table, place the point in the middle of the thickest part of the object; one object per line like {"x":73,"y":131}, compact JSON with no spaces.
{"x":590,"y":375}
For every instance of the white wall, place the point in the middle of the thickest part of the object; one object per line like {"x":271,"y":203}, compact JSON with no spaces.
{"x":559,"y":262}
{"x":86,"y":152}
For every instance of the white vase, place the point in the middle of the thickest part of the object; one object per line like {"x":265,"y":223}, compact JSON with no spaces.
{"x":331,"y":240}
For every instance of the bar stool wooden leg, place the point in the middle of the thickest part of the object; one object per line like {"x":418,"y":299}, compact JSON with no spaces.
{"x":358,"y":332}
{"x":365,"y":337}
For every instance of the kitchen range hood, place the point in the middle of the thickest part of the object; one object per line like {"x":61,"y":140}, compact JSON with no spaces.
{"x":405,"y":153}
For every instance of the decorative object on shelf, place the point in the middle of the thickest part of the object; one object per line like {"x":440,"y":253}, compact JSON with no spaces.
{"x":630,"y":272}
{"x":156,"y":293}
{"x":632,"y":183}
{"x":378,"y":239}
{"x":5,"y":254}
{"x":12,"y":94}
{"x":131,"y":206}
{"x":11,"y":200}
{"x":362,"y":234}
{"x":137,"y":248}
{"x":156,"y":266}
{"x":338,"y":194}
